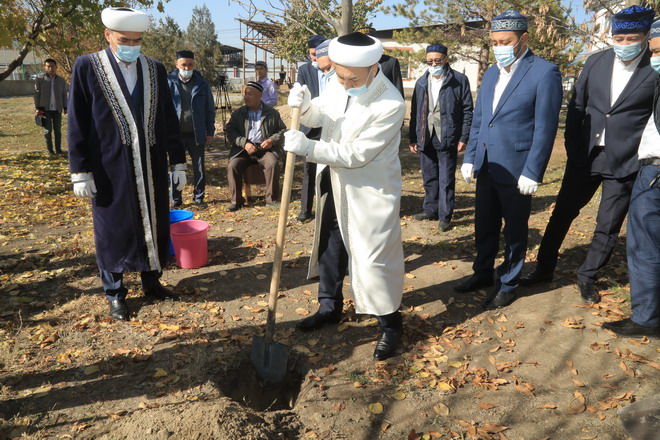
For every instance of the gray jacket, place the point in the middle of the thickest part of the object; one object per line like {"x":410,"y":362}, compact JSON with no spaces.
{"x":42,"y":92}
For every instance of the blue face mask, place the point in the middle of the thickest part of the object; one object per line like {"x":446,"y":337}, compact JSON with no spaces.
{"x":655,"y":63}
{"x":330,"y":73}
{"x":505,"y":55}
{"x":437,"y":70}
{"x":357,"y":91}
{"x":627,"y":52}
{"x":128,"y":54}
{"x":315,"y":64}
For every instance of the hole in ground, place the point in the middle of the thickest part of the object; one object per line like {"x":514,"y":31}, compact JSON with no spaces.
{"x":243,"y":386}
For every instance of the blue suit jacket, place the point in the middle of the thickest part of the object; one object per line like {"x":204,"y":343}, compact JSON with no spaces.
{"x":307,"y":74}
{"x":518,"y":136}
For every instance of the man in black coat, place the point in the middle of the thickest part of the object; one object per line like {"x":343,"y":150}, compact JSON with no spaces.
{"x":309,"y":74}
{"x":440,"y":119}
{"x":606,"y":117}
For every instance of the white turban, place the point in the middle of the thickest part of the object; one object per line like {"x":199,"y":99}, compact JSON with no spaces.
{"x":125,"y":20}
{"x":355,"y":50}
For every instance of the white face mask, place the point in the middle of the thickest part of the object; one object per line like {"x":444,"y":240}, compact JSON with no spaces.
{"x":357,"y":91}
{"x":186,"y":74}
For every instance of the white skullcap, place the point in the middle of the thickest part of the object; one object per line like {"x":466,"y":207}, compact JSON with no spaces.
{"x":355,"y":50}
{"x":125,"y":19}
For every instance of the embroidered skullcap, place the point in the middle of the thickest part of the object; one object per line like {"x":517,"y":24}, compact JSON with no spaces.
{"x":261,"y":63}
{"x":655,"y":29}
{"x":632,"y":20}
{"x":322,"y":49}
{"x":256,"y":85}
{"x":185,"y":54}
{"x":314,"y":41}
{"x":509,"y":20}
{"x":439,"y":48}
{"x":355,"y":50}
{"x":125,"y":20}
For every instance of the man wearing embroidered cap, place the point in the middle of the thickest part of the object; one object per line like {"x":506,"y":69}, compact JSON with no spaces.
{"x":194,"y":105}
{"x":440,"y":119}
{"x":513,"y":131}
{"x":604,"y":124}
{"x":309,"y":74}
{"x":123,"y":134}
{"x":256,"y":134}
{"x":358,"y":187}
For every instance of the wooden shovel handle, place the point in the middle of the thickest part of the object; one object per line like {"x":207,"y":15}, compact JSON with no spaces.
{"x":281,"y":232}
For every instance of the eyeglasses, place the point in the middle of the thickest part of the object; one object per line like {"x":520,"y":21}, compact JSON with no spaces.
{"x":435,"y":61}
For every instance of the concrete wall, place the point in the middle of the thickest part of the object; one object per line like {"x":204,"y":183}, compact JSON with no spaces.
{"x":16,"y":88}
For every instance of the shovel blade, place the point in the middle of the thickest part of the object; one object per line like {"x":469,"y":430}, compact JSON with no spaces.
{"x":269,"y":360}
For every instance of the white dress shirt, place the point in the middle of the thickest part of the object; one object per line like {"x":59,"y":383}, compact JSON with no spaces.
{"x":435,"y":84}
{"x":621,"y":74}
{"x":504,"y":78}
{"x":129,"y":72}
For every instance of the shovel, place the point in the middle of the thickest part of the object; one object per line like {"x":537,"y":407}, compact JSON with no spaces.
{"x":269,"y":358}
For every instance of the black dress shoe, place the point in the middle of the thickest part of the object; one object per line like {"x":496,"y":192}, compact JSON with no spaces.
{"x":588,"y":292}
{"x":628,"y":327}
{"x":424,"y":216}
{"x":499,"y":298}
{"x":234,"y":207}
{"x":119,"y":309}
{"x":473,"y":283}
{"x":304,"y":217}
{"x":536,"y":277}
{"x":318,"y":320}
{"x":444,"y":226}
{"x":160,"y":293}
{"x":387,"y":344}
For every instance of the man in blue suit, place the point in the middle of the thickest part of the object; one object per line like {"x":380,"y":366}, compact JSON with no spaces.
{"x":513,"y":131}
{"x":604,"y":124}
{"x":310,"y":75}
{"x":440,"y":119}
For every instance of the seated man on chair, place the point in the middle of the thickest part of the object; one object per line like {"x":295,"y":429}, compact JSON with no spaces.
{"x":256,"y":134}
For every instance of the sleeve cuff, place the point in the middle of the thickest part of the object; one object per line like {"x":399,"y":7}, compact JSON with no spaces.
{"x":179,"y":167}
{"x":81,"y":177}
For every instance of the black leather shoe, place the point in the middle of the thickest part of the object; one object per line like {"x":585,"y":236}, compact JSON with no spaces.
{"x":499,"y":298}
{"x":234,"y":207}
{"x":304,"y":217}
{"x":444,"y":226}
{"x":536,"y":277}
{"x":424,"y":216}
{"x":588,"y":292}
{"x":119,"y":309}
{"x":473,"y":283}
{"x":318,"y":320}
{"x":160,"y":293}
{"x":627,"y":327}
{"x":387,"y":344}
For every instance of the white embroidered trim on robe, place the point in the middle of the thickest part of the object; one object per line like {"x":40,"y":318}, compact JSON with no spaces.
{"x":129,"y":136}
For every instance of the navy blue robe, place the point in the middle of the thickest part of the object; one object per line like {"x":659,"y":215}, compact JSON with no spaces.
{"x":129,"y":161}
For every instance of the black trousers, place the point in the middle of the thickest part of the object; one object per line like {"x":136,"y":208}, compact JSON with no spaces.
{"x":439,"y":175}
{"x":113,"y":283}
{"x":577,"y":188}
{"x":196,"y":152}
{"x":308,"y":187}
{"x":495,"y":202}
{"x":53,"y":124}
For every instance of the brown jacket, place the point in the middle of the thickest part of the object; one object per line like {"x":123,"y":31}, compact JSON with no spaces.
{"x":272,"y":127}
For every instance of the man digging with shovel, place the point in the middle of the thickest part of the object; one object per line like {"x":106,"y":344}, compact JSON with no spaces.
{"x":358,"y":188}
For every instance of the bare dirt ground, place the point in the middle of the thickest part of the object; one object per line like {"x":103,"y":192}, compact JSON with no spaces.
{"x":541,"y":368}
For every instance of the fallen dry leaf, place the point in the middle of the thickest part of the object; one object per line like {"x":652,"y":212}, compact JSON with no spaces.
{"x":547,"y":406}
{"x":376,"y":408}
{"x":484,"y":405}
{"x":441,"y":409}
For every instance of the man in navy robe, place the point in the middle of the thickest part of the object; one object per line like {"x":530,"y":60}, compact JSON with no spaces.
{"x":123,"y":132}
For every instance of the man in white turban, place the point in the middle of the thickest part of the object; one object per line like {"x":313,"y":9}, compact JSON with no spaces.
{"x":123,"y":135}
{"x":358,"y":187}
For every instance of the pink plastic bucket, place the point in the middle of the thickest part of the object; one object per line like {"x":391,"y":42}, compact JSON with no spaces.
{"x":190,"y":243}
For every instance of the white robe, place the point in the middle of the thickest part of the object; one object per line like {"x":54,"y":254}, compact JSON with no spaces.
{"x":361,"y":147}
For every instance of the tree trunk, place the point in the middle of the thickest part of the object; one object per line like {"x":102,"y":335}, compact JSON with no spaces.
{"x":346,"y":18}
{"x":483,"y":62}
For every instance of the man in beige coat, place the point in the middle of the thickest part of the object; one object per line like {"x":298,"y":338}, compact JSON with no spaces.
{"x":358,"y":187}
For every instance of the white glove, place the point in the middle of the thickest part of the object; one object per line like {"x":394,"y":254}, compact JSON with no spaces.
{"x":526,"y":186}
{"x":299,"y":96}
{"x":296,"y":142}
{"x":86,"y":188}
{"x":179,"y":179}
{"x":466,"y":171}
